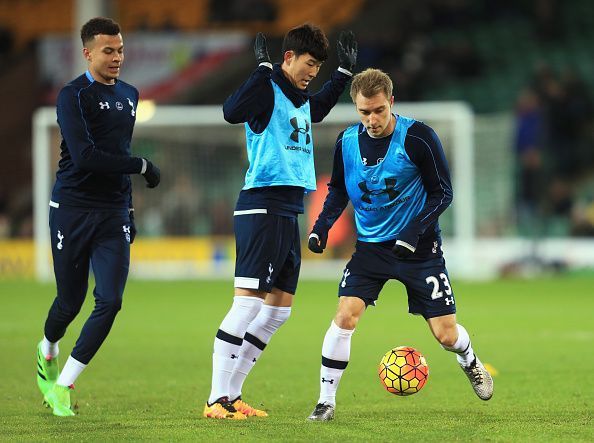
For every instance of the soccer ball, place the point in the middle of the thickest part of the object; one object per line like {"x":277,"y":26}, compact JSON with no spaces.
{"x":403,"y":371}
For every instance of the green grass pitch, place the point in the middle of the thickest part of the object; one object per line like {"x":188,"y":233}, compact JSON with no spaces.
{"x":152,"y":376}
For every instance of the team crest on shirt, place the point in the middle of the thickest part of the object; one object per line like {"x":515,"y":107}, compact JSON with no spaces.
{"x":131,"y":103}
{"x":119,"y":106}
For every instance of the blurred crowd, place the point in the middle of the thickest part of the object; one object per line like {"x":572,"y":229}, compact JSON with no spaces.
{"x":555,"y":152}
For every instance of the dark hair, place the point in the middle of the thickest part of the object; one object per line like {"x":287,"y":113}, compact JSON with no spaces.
{"x":307,"y":38}
{"x":96,"y":26}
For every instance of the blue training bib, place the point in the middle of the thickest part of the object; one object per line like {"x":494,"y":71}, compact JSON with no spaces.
{"x":282,"y":154}
{"x":385,"y":196}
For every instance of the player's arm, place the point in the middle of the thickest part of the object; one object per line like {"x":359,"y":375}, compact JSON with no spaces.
{"x":324,"y":100}
{"x":254,"y":99}
{"x":335,"y":203}
{"x":424,"y":149}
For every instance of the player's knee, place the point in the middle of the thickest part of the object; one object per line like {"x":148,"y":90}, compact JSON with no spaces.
{"x":111,"y":306}
{"x":346,"y":319}
{"x":68,"y":310}
{"x":447,"y":337}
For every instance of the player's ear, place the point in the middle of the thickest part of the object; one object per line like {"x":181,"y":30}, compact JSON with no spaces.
{"x":87,"y":54}
{"x":288,"y":57}
{"x":391,"y":101}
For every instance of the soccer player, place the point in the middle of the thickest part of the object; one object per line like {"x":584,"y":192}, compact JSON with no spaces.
{"x":393,"y":170}
{"x":278,"y":111}
{"x":91,"y":215}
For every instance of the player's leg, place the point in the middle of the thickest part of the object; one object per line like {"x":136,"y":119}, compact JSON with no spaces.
{"x":256,"y":251}
{"x":283,"y":274}
{"x":110,"y":258}
{"x":363,"y":279}
{"x":274,"y":313}
{"x":454,"y":338}
{"x":336,"y":351}
{"x":430,"y":294}
{"x":70,"y":237}
{"x":228,"y":341}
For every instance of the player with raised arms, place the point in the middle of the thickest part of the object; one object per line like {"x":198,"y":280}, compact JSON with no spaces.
{"x":277,"y":109}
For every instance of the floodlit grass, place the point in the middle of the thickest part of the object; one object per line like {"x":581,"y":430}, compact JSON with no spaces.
{"x":152,"y":376}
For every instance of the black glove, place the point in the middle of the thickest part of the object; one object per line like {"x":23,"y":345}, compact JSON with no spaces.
{"x":152,"y":175}
{"x":347,"y":50}
{"x":317,"y":242}
{"x":260,"y":49}
{"x":132,"y":226}
{"x":401,"y":251}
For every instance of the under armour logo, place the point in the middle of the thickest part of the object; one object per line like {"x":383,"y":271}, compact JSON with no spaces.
{"x":449,"y":301}
{"x":270,"y":269}
{"x":331,"y":381}
{"x":126,"y":230}
{"x":389,"y":190}
{"x":131,"y":103}
{"x":233,"y":356}
{"x":60,"y":238}
{"x":297,"y":130}
{"x":254,"y":360}
{"x":104,"y":105}
{"x":345,"y":275}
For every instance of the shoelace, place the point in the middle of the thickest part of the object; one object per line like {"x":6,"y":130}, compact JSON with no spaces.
{"x":321,"y":408}
{"x":228,"y":406}
{"x":477,"y":374}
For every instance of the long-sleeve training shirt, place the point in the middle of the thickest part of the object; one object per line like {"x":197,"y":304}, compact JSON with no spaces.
{"x":96,"y":122}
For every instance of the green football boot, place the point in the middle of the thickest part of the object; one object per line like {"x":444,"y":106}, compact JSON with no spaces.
{"x":47,"y":371}
{"x":58,"y":398}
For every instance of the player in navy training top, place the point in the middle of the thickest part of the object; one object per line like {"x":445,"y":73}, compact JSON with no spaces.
{"x":394,"y":172}
{"x":277,"y":111}
{"x":91,"y":212}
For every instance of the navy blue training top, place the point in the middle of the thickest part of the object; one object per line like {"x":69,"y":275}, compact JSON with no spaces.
{"x":96,"y":122}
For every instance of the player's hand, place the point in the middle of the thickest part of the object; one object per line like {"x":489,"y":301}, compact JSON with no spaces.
{"x":347,"y":50}
{"x":152,"y":175}
{"x":401,"y":251}
{"x":132,"y":226}
{"x":260,"y":49}
{"x":317,"y":242}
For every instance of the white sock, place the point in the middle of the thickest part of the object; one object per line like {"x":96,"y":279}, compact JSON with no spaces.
{"x":462,"y":347}
{"x":70,"y":372}
{"x":48,"y":348}
{"x":228,"y":342}
{"x":336,"y":352}
{"x":258,"y":335}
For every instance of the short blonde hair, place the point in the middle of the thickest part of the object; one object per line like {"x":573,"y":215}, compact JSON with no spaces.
{"x":371,"y":82}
